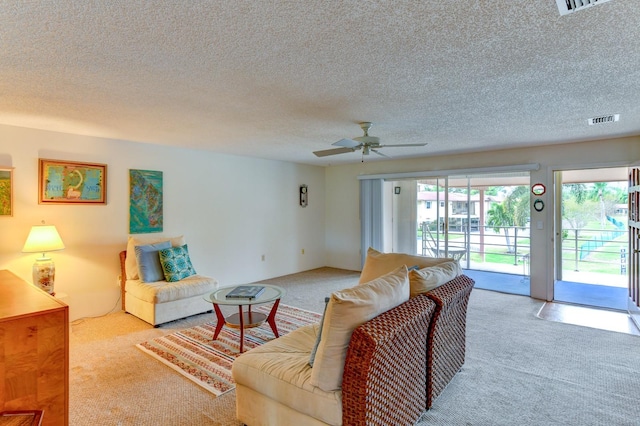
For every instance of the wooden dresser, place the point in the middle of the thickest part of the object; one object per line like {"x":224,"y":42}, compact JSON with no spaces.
{"x":34,"y":351}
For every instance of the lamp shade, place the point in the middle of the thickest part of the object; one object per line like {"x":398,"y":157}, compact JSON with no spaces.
{"x":43,"y":238}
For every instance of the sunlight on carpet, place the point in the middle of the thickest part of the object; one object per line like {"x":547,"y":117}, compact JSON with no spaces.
{"x":193,"y":353}
{"x":588,"y":317}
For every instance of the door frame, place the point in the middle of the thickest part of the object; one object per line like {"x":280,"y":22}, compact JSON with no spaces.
{"x":633,"y":299}
{"x":556,"y":174}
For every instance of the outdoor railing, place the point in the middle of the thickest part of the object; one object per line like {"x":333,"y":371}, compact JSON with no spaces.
{"x":595,"y":250}
{"x":588,"y":250}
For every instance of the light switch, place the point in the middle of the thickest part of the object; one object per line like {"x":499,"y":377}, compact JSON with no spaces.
{"x":539,"y":225}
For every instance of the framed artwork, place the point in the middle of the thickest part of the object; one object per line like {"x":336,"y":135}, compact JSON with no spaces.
{"x":145,"y":201}
{"x":6,"y":191}
{"x":70,"y":182}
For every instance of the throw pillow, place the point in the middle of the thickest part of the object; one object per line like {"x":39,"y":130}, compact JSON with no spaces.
{"x":149,"y":267}
{"x":377,"y":263}
{"x":312,"y":358}
{"x":131,"y":264}
{"x":427,"y":279}
{"x":176,"y":263}
{"x":346,"y":310}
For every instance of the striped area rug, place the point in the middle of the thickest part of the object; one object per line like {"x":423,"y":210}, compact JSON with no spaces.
{"x":194,"y":354}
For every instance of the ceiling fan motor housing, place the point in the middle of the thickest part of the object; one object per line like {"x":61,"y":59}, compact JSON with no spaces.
{"x":368,"y":140}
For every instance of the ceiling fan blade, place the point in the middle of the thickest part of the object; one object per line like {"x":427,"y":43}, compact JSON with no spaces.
{"x":347,"y":143}
{"x":379,"y":153}
{"x":402,"y":144}
{"x":334,"y":151}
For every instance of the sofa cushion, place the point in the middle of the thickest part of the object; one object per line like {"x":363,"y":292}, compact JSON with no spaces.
{"x":163,"y":291}
{"x":149,"y":267}
{"x":280,"y":370}
{"x":176,"y":263}
{"x":131,"y":264}
{"x":377,"y":263}
{"x":426,"y":279}
{"x":346,"y":310}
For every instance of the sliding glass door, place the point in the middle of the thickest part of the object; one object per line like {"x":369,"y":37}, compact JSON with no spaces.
{"x":480,"y":217}
{"x":482,"y":220}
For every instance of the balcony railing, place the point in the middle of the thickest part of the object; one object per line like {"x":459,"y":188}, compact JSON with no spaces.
{"x":587,"y":250}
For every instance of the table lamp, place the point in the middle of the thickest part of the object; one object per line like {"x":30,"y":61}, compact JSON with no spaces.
{"x":41,"y":239}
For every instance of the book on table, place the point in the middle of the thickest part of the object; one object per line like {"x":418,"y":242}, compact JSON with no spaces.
{"x":245,"y":292}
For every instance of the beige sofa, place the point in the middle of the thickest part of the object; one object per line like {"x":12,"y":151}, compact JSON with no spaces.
{"x":160,"y":301}
{"x":395,"y":364}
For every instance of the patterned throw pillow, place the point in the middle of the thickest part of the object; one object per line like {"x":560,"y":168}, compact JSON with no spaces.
{"x":176,"y":264}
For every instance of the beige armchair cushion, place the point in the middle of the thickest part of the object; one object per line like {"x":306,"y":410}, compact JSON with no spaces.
{"x":348,"y":309}
{"x":163,"y":291}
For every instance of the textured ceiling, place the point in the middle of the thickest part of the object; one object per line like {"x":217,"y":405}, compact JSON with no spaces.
{"x":281,"y":79}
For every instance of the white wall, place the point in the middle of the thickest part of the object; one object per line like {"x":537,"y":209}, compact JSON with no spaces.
{"x":343,"y":225}
{"x":234,"y":209}
{"x":231,"y":209}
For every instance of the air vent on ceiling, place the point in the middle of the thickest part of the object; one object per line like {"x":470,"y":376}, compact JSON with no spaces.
{"x":568,"y":6}
{"x":604,"y":119}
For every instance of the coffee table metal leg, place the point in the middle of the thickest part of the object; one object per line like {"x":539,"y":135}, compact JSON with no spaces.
{"x":220,"y":323}
{"x":241,"y":327}
{"x":271,"y":319}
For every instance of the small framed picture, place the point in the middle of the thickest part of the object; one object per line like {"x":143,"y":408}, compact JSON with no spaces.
{"x":70,"y":182}
{"x":6,"y":191}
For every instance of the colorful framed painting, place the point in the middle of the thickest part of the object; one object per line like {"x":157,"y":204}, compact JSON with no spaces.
{"x":6,"y":191}
{"x":70,"y":182}
{"x":145,"y":201}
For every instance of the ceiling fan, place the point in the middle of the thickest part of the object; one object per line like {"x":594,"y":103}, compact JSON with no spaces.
{"x":366,"y":143}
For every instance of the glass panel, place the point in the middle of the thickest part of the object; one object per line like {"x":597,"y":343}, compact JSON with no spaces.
{"x":431,"y":213}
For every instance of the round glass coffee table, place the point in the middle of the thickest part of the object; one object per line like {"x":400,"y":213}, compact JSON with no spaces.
{"x":245,"y":318}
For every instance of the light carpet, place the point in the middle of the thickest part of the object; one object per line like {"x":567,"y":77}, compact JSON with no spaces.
{"x":520,"y":369}
{"x":192,"y":352}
